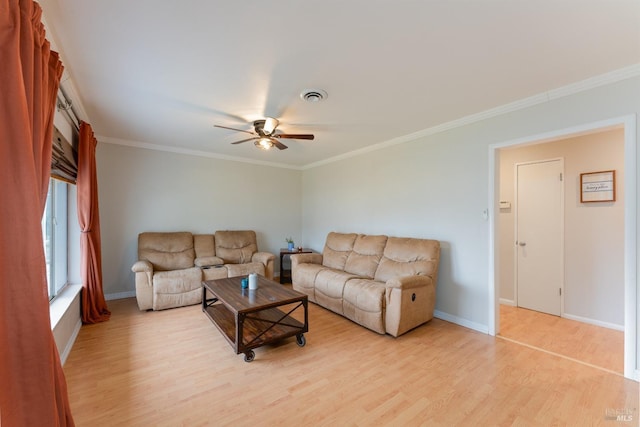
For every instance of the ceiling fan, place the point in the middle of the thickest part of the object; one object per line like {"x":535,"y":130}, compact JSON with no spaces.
{"x":264,"y":135}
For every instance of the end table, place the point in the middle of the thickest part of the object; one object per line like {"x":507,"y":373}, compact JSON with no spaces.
{"x":286,"y":273}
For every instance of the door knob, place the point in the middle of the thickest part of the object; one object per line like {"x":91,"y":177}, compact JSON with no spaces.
{"x":522,"y":243}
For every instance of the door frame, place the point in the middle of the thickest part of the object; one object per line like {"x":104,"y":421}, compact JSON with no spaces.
{"x":631,"y":285}
{"x":516,"y":250}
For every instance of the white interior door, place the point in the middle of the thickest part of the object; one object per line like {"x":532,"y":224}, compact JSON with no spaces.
{"x":539,"y":236}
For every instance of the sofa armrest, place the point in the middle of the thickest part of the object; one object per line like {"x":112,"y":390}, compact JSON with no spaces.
{"x":266,"y":258}
{"x":208,"y":261}
{"x":142,"y":267}
{"x":410,"y":302}
{"x":305,"y":258}
{"x":263,"y":257}
{"x":409,"y":282}
{"x":144,"y":284}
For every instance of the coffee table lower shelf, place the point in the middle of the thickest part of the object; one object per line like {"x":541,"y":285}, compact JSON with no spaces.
{"x":256,"y":328}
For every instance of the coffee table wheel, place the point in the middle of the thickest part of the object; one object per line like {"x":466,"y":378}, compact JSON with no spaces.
{"x":249,"y":356}
{"x":301,"y":340}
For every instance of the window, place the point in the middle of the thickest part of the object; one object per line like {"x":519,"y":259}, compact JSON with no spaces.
{"x":54,"y":234}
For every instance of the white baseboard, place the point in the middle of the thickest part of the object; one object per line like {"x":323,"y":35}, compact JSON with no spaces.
{"x":462,"y":322}
{"x":593,"y":322}
{"x":72,"y":340}
{"x":505,"y":301}
{"x":120,"y":295}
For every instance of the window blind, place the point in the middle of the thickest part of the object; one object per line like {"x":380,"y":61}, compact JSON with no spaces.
{"x":64,"y":159}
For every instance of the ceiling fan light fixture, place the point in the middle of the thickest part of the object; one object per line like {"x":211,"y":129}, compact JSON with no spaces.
{"x":270,"y":125}
{"x":313,"y":95}
{"x":264,"y":143}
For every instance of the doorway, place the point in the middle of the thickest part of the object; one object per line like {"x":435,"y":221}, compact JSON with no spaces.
{"x":497,"y":280}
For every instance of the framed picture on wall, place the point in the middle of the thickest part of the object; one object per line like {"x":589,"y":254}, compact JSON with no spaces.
{"x":598,"y":186}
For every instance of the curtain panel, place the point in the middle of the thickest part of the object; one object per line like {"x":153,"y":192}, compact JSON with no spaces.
{"x":94,"y":307}
{"x":33,"y":389}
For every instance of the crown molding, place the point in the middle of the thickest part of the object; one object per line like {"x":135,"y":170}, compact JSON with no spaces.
{"x":189,"y":152}
{"x":571,"y":89}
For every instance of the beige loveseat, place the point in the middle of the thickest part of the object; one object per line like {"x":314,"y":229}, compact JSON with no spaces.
{"x":387,"y":284}
{"x":171,"y":266}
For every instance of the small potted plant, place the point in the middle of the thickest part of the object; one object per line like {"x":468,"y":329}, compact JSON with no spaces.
{"x":290,"y":244}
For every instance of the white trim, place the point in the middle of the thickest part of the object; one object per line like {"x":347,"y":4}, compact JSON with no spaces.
{"x":120,"y":295}
{"x":593,"y":322}
{"x":510,"y":302}
{"x":570,"y":89}
{"x":58,"y":308}
{"x":61,"y":303}
{"x":72,"y":340}
{"x":460,"y":321}
{"x":189,"y":152}
{"x":632,"y":305}
{"x":631,"y":260}
{"x":493,"y":320}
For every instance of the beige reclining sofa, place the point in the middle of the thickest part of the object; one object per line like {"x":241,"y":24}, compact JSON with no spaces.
{"x":387,"y":284}
{"x":171,"y":266}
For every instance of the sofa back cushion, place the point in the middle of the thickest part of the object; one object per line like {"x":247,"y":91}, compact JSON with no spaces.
{"x":365,"y":256}
{"x":236,"y":246}
{"x":408,"y":257}
{"x":204,"y":245}
{"x":337,"y":249}
{"x":167,"y":251}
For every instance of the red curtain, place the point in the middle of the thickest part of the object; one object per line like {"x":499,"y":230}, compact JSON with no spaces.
{"x":33,"y":390}
{"x":94,"y":307}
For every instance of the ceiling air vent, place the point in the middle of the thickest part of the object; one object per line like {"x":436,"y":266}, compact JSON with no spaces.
{"x":313,"y":95}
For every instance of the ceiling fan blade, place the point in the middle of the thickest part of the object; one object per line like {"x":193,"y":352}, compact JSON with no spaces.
{"x":279,"y":145}
{"x":245,"y":140}
{"x":295,"y":136}
{"x":237,"y":130}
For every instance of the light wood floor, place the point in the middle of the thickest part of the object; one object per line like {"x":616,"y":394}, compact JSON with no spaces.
{"x":590,"y":344}
{"x":173,"y":368}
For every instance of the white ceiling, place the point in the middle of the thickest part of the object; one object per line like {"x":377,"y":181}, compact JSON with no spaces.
{"x":163,"y":73}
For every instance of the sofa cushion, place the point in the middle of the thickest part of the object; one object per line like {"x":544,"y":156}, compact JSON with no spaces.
{"x":303,"y":276}
{"x":365,"y":256}
{"x":208,"y":261}
{"x":235,"y":270}
{"x":329,"y":285}
{"x":237,"y":246}
{"x":204,"y":245}
{"x":363,"y":302}
{"x":215,"y":272}
{"x":167,"y":251}
{"x":176,"y":281}
{"x":337,"y":248}
{"x":176,"y":288}
{"x":408,"y":257}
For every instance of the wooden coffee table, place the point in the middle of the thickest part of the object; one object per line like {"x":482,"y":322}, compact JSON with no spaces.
{"x":253,"y":318}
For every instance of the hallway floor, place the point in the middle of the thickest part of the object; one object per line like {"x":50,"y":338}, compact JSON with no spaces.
{"x":589,"y":344}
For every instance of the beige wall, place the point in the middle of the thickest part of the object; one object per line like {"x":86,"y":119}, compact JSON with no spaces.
{"x":149,"y":190}
{"x":438,"y":186}
{"x":594,"y":232}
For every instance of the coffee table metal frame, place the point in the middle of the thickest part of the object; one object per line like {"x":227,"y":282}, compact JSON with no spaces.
{"x":252,"y":318}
